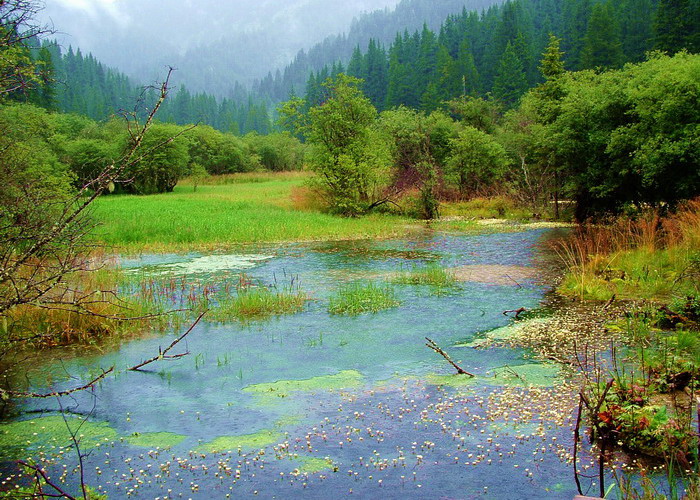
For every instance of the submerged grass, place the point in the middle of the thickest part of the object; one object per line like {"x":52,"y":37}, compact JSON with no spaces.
{"x":360,"y":298}
{"x":245,"y":209}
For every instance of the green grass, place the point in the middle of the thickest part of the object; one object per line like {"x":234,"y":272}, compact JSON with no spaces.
{"x":257,"y":303}
{"x":432,"y":274}
{"x":246,"y":210}
{"x":362,"y":298}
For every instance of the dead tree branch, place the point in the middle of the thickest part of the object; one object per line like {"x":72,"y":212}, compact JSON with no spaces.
{"x":517,"y":312}
{"x":163,"y":354}
{"x":17,"y":394}
{"x":442,"y":353}
{"x":40,"y":474}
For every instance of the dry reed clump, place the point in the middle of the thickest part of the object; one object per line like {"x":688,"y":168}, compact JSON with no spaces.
{"x":79,"y":309}
{"x":592,"y":249}
{"x":306,"y":199}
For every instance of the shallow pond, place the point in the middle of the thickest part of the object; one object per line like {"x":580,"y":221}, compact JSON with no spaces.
{"x":315,"y":404}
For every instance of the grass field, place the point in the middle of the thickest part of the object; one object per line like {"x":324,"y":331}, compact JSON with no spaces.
{"x":227,"y":211}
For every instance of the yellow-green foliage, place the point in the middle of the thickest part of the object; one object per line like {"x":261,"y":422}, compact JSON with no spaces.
{"x":650,"y":257}
{"x":497,"y":207}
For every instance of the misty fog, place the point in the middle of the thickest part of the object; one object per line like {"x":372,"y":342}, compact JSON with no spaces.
{"x":250,"y":37}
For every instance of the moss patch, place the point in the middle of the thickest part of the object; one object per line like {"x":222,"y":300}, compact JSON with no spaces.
{"x":50,"y":433}
{"x":346,"y":379}
{"x":245,"y":442}
{"x":155,"y":439}
{"x":544,"y":375}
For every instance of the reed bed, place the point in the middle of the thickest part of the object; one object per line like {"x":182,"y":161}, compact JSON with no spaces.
{"x":651,"y":256}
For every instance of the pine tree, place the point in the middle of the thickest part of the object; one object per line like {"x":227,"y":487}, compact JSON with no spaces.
{"x":510,"y":83}
{"x":677,"y":25}
{"x":601,"y":45}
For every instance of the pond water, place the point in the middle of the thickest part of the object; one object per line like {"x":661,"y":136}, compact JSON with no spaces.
{"x":319,"y":405}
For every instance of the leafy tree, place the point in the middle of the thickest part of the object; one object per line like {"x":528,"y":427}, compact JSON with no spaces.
{"x":477,"y":161}
{"x":88,"y":157}
{"x":477,"y":112}
{"x":348,"y":155}
{"x":217,"y":152}
{"x":277,"y":152}
{"x":165,"y":163}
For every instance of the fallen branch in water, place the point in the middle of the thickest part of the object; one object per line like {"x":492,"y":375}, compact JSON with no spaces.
{"x":16,"y":394}
{"x":517,"y":312}
{"x":164,"y":353}
{"x":442,"y":353}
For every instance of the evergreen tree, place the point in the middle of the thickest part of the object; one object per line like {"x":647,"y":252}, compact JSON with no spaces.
{"x":576,"y":14}
{"x":677,"y":25}
{"x":601,"y":45}
{"x":636,"y":27}
{"x":510,"y":83}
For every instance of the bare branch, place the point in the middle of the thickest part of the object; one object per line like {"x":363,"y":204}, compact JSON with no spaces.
{"x":17,"y":394}
{"x":442,"y":353}
{"x":164,"y":353}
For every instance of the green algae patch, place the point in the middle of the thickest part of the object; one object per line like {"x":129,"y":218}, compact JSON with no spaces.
{"x":289,"y":421}
{"x":155,"y":439}
{"x":244,"y":442}
{"x":51,"y":433}
{"x":455,"y":380}
{"x":346,"y":379}
{"x":312,"y":465}
{"x":529,"y":374}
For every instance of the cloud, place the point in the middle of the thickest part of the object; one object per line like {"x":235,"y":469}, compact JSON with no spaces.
{"x":96,"y":9}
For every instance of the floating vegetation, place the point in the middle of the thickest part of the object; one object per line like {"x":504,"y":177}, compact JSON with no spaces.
{"x":357,"y":298}
{"x":454,"y":380}
{"x":51,"y":433}
{"x":502,"y":334}
{"x":529,"y":374}
{"x":346,"y":379}
{"x":205,"y":264}
{"x":312,"y":465}
{"x":244,"y":442}
{"x":162,"y":440}
{"x":433,"y":274}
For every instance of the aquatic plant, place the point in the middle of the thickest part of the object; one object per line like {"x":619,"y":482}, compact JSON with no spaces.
{"x":360,"y":298}
{"x":433,"y":274}
{"x":258,"y":302}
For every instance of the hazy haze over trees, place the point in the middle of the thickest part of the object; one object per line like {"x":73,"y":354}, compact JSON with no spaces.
{"x":247,"y":37}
